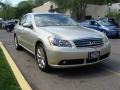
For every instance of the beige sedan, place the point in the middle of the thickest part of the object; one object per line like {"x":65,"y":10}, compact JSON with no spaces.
{"x":58,"y":41}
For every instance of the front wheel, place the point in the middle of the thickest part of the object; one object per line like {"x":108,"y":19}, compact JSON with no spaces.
{"x":41,"y":58}
{"x":7,"y":29}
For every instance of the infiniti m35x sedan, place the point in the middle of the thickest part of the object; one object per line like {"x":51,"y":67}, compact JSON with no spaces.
{"x":57,"y":41}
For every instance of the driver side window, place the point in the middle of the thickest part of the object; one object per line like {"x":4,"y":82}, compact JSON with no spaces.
{"x":23,"y":20}
{"x":29,"y":19}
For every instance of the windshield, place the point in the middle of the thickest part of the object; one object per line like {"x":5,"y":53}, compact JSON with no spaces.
{"x":105,"y":23}
{"x":53,"y":20}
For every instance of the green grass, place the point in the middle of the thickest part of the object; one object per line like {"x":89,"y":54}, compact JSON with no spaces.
{"x":7,"y":79}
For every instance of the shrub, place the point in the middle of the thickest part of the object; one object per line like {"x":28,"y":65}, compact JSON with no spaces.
{"x":115,"y":15}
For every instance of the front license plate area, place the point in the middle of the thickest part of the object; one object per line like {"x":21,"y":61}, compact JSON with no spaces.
{"x":93,"y":55}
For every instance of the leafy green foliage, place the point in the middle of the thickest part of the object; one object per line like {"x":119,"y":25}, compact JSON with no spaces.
{"x":38,"y":2}
{"x":23,"y":8}
{"x":115,"y":15}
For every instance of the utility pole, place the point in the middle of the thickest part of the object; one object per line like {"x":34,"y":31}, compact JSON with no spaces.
{"x":109,"y":8}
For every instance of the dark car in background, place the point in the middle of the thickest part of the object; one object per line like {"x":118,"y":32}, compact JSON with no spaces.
{"x":110,"y":20}
{"x":9,"y":25}
{"x":110,"y":29}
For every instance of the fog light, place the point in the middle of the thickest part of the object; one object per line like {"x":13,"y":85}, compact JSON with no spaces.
{"x":64,"y":62}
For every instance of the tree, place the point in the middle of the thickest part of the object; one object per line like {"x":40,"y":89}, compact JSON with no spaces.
{"x":9,"y":12}
{"x":2,"y":4}
{"x":6,"y":11}
{"x":23,"y":8}
{"x":39,"y":2}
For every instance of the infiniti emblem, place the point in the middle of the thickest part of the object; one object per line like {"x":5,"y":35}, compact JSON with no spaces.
{"x":92,"y":43}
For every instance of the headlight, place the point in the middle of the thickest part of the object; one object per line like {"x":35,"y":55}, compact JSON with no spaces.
{"x":58,"y":42}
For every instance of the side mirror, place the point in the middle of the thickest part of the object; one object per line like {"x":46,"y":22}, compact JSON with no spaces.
{"x":16,"y":22}
{"x":27,"y":25}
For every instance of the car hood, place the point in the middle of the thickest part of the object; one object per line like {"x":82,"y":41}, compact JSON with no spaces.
{"x":72,"y":32}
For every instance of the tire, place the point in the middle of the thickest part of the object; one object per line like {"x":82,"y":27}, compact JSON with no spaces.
{"x":41,"y":58}
{"x":7,"y":29}
{"x":17,"y":46}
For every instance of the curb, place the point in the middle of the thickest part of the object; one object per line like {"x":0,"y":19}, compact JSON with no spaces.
{"x":18,"y":75}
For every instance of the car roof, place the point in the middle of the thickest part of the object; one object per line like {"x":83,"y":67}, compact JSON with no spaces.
{"x":35,"y":13}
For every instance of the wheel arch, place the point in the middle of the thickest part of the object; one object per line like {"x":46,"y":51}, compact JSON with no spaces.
{"x":38,"y":42}
{"x":14,"y":34}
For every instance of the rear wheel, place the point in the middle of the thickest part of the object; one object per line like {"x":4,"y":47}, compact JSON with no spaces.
{"x":7,"y":29}
{"x":41,"y":58}
{"x":17,"y":46}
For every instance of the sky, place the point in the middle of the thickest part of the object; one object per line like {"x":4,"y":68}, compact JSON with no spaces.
{"x":13,"y":2}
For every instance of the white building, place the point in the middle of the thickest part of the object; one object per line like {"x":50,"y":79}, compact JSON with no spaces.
{"x":45,"y":7}
{"x":96,"y":11}
{"x":115,"y":7}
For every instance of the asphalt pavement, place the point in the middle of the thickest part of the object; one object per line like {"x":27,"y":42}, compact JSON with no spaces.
{"x":103,"y":76}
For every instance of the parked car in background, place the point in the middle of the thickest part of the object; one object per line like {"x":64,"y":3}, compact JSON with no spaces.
{"x":1,"y":19}
{"x":110,"y":20}
{"x":9,"y":25}
{"x":58,"y":41}
{"x":111,"y":30}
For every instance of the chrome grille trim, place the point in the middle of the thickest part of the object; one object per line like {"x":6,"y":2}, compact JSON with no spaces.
{"x":92,"y":42}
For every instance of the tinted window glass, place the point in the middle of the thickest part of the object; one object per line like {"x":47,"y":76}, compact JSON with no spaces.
{"x":53,"y":20}
{"x":23,"y":20}
{"x":29,"y":19}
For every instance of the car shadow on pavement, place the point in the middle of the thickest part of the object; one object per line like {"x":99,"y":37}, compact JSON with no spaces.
{"x":86,"y":71}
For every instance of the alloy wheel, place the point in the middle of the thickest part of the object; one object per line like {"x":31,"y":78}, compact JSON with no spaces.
{"x":41,"y":58}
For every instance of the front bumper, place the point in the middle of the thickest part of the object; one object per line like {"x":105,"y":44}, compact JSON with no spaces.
{"x":72,"y":57}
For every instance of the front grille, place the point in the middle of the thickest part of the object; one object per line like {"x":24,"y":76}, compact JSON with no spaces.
{"x":92,"y":42}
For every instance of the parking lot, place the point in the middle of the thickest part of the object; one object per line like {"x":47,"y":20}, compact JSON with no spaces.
{"x":104,"y":76}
